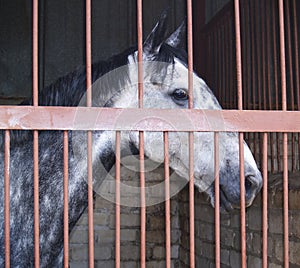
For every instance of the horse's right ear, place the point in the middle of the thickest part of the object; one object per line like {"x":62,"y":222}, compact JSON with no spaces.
{"x":178,"y":38}
{"x":157,"y":36}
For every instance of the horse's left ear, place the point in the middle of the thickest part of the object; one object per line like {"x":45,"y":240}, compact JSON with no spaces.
{"x":178,"y":38}
{"x":157,"y":36}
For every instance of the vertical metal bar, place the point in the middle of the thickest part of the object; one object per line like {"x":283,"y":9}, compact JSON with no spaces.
{"x":88,"y":43}
{"x":282,"y":54}
{"x":217,"y":200}
{"x":264,"y":65}
{"x":296,"y":56}
{"x":141,"y":134}
{"x":7,"y":198}
{"x":297,"y":82}
{"x":118,"y":216}
{"x":36,"y":199}
{"x":66,"y":200}
{"x":253,"y":46}
{"x":35,"y":138}
{"x":143,"y":201}
{"x":223,"y":62}
{"x":232,"y":98}
{"x":291,"y":85}
{"x":285,"y":137}
{"x":267,"y":14}
{"x":167,"y":202}
{"x":220,"y":74}
{"x":274,"y":30}
{"x":238,"y":54}
{"x":140,"y":51}
{"x":290,"y":59}
{"x":241,"y":135}
{"x":89,"y":134}
{"x":248,"y":55}
{"x":247,"y":65}
{"x":191,"y":134}
{"x":276,"y":86}
{"x":263,"y":57}
{"x":253,"y":66}
{"x":265,"y":202}
{"x":35,"y":52}
{"x":260,"y":54}
{"x":227,"y":61}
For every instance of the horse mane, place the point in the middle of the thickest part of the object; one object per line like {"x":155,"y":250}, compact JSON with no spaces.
{"x":69,"y":90}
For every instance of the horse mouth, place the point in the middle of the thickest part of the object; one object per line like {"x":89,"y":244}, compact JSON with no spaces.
{"x":225,"y":204}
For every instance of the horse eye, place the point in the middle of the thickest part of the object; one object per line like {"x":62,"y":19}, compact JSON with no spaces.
{"x":180,"y":94}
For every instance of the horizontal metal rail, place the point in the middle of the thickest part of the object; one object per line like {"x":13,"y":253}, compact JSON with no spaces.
{"x":135,"y":119}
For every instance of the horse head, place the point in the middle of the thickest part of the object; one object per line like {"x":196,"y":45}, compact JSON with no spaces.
{"x":165,"y":79}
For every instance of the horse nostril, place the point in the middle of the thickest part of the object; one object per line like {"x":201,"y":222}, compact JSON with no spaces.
{"x":248,"y":184}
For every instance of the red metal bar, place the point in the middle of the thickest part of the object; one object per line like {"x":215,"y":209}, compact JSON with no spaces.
{"x":259,"y":67}
{"x":291,"y":73}
{"x":63,"y":118}
{"x":238,"y":54}
{"x":167,"y":202}
{"x":290,"y":59}
{"x":118,"y":195}
{"x":276,"y":86}
{"x":35,"y":138}
{"x":88,"y":41}
{"x":143,"y":201}
{"x":285,"y":137}
{"x":263,"y":56}
{"x":66,"y":199}
{"x":191,"y":134}
{"x":141,"y":134}
{"x":296,"y":56}
{"x":265,"y":202}
{"x":217,"y":200}
{"x":248,"y":63}
{"x":223,"y":63}
{"x":219,"y":60}
{"x":89,"y":134}
{"x":253,"y":67}
{"x":285,"y":201}
{"x":7,"y":198}
{"x":190,"y":51}
{"x":263,"y":102}
{"x":259,"y":54}
{"x":267,"y":14}
{"x":243,"y":207}
{"x":227,"y":60}
{"x":232,"y":97}
{"x":36,"y":199}
{"x":241,"y":135}
{"x":140,"y":51}
{"x":297,"y":82}
{"x":35,"y":52}
{"x":282,"y":55}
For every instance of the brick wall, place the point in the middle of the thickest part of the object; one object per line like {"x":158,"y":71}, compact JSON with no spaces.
{"x":204,"y":231}
{"x":104,"y":221}
{"x":230,"y":229}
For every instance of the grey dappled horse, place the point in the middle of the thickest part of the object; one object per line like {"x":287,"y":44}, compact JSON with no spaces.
{"x":165,"y":87}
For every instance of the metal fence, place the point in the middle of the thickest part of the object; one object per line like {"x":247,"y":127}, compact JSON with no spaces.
{"x":244,"y":121}
{"x":260,"y":37}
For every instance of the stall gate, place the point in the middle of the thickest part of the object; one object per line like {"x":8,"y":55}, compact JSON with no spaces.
{"x":267,"y":126}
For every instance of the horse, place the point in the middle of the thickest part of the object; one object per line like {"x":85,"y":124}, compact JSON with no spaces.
{"x":165,"y":86}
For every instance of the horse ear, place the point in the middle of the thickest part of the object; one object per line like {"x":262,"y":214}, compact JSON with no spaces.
{"x":178,"y":38}
{"x":157,"y":36}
